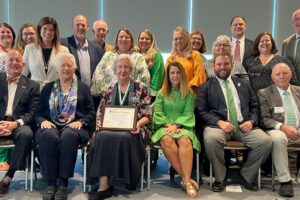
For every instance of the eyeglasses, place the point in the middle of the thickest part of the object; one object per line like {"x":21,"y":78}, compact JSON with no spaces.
{"x":28,"y":34}
{"x":222,"y":45}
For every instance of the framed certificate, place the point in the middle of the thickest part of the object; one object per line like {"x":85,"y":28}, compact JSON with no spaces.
{"x":119,"y":118}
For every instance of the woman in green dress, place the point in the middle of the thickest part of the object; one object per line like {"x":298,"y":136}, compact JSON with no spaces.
{"x":174,"y":123}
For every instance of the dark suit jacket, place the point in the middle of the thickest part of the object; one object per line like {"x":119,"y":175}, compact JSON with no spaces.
{"x":211,"y":103}
{"x":248,"y":49}
{"x":85,"y":111}
{"x":95,"y":51}
{"x":269,"y":98}
{"x":25,"y":101}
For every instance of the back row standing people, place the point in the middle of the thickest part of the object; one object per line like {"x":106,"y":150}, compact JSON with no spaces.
{"x":100,"y":31}
{"x":39,"y":57}
{"x":104,"y":76}
{"x":190,"y":60}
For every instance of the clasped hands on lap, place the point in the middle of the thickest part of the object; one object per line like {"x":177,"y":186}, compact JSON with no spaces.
{"x":6,"y":127}
{"x":47,"y":124}
{"x":227,"y":127}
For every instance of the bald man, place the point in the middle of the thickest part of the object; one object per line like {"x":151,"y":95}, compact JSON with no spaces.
{"x":279,"y":106}
{"x":18,"y":102}
{"x":100,"y":31}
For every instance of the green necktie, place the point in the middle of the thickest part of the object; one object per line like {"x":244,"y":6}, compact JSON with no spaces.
{"x":291,"y":119}
{"x":231,"y":106}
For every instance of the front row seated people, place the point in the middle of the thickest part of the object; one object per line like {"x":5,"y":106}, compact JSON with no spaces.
{"x":174,"y":123}
{"x":19,"y":98}
{"x":228,"y":110}
{"x":279,"y":105}
{"x":64,"y":117}
{"x":120,"y":154}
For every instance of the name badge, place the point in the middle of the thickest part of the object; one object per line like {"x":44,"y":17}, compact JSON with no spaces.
{"x":278,"y":109}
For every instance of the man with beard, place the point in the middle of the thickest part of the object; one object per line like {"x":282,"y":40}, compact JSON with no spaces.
{"x":228,"y":110}
{"x":241,"y":46}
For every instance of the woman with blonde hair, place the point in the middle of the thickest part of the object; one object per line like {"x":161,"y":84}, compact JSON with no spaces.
{"x":190,"y":60}
{"x":26,"y":36}
{"x":174,"y":122}
{"x":154,"y":60}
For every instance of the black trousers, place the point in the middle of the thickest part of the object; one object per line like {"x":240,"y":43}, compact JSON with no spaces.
{"x":57,"y":151}
{"x":22,"y":138}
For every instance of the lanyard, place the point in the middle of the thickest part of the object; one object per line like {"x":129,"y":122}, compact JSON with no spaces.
{"x":121,"y":100}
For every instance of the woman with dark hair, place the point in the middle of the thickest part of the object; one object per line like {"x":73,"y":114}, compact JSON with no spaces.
{"x":7,"y":42}
{"x":174,"y":122}
{"x":120,"y":154}
{"x":104,"y":76}
{"x":39,"y":57}
{"x":26,"y":36}
{"x":259,"y":66}
{"x":198,"y":43}
{"x":154,"y":60}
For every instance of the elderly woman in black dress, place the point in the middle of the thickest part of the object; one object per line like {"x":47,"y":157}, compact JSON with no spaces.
{"x":65,"y":116}
{"x":120,"y":154}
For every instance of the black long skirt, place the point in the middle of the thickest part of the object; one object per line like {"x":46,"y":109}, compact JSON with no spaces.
{"x":118,"y":154}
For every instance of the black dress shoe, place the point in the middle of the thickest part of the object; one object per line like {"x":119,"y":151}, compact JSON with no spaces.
{"x":250,"y":186}
{"x":49,"y":193}
{"x":286,"y":189}
{"x":218,"y":186}
{"x":4,"y":185}
{"x":62,"y":193}
{"x":99,"y":195}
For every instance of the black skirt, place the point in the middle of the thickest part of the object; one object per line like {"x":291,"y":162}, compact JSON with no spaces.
{"x":117,"y":154}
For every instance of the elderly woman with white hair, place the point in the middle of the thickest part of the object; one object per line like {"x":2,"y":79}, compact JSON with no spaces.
{"x":120,"y":154}
{"x":223,"y":45}
{"x":64,"y":117}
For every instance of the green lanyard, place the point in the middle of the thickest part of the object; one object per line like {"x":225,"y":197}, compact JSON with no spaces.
{"x":121,"y":100}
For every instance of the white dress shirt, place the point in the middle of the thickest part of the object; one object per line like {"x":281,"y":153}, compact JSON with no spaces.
{"x":84,"y":62}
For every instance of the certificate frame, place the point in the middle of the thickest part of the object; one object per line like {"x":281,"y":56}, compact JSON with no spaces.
{"x":119,"y":118}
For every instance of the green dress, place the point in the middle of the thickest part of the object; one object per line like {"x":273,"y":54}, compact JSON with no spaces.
{"x":175,"y":110}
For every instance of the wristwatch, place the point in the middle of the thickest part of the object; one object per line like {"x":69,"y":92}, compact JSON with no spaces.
{"x":18,"y":124}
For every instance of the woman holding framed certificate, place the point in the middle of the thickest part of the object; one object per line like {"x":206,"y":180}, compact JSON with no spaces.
{"x":174,"y":123}
{"x":119,"y":152}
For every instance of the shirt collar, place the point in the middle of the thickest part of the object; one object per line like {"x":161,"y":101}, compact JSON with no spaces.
{"x":84,"y":46}
{"x":242,"y":39}
{"x":221,"y":81}
{"x":281,"y":91}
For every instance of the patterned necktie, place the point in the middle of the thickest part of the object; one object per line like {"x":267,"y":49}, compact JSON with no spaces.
{"x":237,"y":51}
{"x":11,"y":79}
{"x":291,"y":119}
{"x":231,"y":106}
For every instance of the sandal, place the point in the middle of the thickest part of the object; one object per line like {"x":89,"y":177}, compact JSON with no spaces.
{"x":195,"y":184}
{"x":189,"y":188}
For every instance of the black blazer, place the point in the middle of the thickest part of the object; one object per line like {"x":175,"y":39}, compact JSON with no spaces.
{"x":211,"y":103}
{"x":85,"y":111}
{"x":25,"y":101}
{"x":95,"y":51}
{"x":248,"y":49}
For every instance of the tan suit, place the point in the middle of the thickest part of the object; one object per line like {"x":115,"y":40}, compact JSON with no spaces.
{"x":288,"y":51}
{"x":270,"y":100}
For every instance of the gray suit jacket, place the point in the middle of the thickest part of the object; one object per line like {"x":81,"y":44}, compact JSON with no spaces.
{"x":288,"y":51}
{"x":269,"y":98}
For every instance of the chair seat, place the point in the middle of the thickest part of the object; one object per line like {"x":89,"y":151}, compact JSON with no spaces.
{"x":294,"y":145}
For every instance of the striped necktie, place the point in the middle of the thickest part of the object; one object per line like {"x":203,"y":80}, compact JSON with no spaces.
{"x":291,"y":119}
{"x":231,"y":106}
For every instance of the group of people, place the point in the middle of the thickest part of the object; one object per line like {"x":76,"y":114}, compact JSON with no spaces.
{"x":54,"y":92}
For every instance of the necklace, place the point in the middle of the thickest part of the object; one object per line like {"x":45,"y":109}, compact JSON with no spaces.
{"x":46,"y":53}
{"x":265,"y":60}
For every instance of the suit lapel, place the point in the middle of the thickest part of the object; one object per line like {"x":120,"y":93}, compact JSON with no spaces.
{"x":276,"y":100}
{"x":218,"y":90}
{"x":19,"y":92}
{"x":4,"y":89}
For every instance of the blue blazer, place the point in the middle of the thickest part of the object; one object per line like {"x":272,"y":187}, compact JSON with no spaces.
{"x":95,"y":51}
{"x":211,"y":104}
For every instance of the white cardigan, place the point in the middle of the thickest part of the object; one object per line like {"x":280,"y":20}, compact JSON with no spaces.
{"x":34,"y":64}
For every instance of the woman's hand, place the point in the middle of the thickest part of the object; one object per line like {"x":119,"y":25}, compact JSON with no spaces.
{"x":76,"y":125}
{"x":46,"y":125}
{"x":137,"y":130}
{"x":171,"y":129}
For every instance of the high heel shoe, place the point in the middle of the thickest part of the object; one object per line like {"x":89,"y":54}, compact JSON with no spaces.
{"x":190,"y":189}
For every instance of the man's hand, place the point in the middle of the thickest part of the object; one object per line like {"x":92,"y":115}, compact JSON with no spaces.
{"x":7,"y":127}
{"x":246,"y":126}
{"x":227,"y":127}
{"x":76,"y":125}
{"x":290,"y":131}
{"x":46,"y":125}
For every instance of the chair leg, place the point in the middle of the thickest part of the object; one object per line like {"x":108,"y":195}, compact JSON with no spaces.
{"x":197,"y":168}
{"x":273,"y":177}
{"x":259,"y":178}
{"x":84,"y":169}
{"x":210,"y":176}
{"x":26,"y":174}
{"x":142,"y":177}
{"x":31,"y":169}
{"x":297,"y":175}
{"x":148,"y":168}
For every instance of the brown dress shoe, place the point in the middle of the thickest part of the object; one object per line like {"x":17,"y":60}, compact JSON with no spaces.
{"x":4,"y":185}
